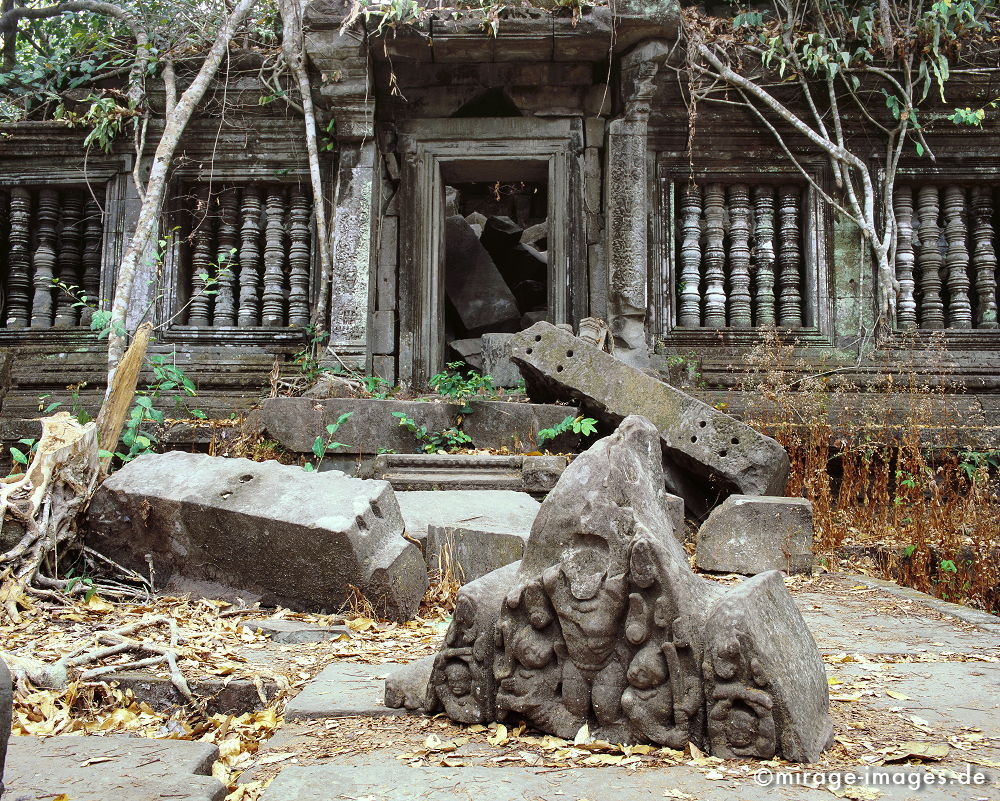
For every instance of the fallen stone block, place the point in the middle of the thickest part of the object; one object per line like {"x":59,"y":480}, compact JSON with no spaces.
{"x":535,"y":233}
{"x":297,"y":539}
{"x":501,"y":235}
{"x":296,"y":632}
{"x":469,"y":351}
{"x":343,"y":689}
{"x":604,"y":626}
{"x":112,"y":768}
{"x":219,"y":696}
{"x":473,"y":283}
{"x":406,"y":686}
{"x":751,"y":534}
{"x":470,"y":532}
{"x":495,"y":350}
{"x":541,"y":473}
{"x":706,"y":451}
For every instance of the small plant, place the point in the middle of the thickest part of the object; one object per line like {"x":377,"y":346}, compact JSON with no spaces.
{"x":453,"y":385}
{"x":19,"y":457}
{"x":376,"y":387}
{"x":322,"y":445}
{"x":585,"y":426}
{"x":450,"y":439}
{"x":307,"y":360}
{"x":85,"y":581}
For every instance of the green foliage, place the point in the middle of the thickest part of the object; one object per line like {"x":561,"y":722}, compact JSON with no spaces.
{"x":105,"y":117}
{"x":585,"y":426}
{"x":460,"y":388}
{"x":19,"y":457}
{"x":976,"y":464}
{"x":307,"y":360}
{"x":322,"y":445}
{"x":450,"y":439}
{"x":72,"y":580}
{"x":376,"y":387}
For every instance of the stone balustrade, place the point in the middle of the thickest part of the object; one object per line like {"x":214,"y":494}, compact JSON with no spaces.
{"x":50,"y":238}
{"x":248,"y":255}
{"x":740,"y":256}
{"x":946,"y":261}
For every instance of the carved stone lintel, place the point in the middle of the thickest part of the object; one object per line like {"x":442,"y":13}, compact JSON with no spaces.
{"x":984,"y":257}
{"x":70,"y":258}
{"x":715,"y":256}
{"x":225,"y":259}
{"x":739,"y":256}
{"x":44,"y":260}
{"x":763,"y":255}
{"x":199,"y":310}
{"x":298,"y":259}
{"x":929,"y":258}
{"x":689,"y":285}
{"x":249,"y":314}
{"x":18,"y":309}
{"x":906,"y":307}
{"x":957,"y":259}
{"x":789,"y":258}
{"x":273,"y":313}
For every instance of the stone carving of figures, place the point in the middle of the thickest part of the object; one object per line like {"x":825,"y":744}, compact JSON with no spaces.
{"x":740,"y":717}
{"x":648,"y":701}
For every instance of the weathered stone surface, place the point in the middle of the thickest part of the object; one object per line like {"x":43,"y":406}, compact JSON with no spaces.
{"x":296,"y":422}
{"x":701,"y":445}
{"x":6,"y":709}
{"x":495,"y":349}
{"x":406,"y":687}
{"x":603,"y":624}
{"x":296,"y":631}
{"x":473,"y":284}
{"x":425,"y":472}
{"x":472,"y":531}
{"x":113,"y":768}
{"x":535,"y":233}
{"x":501,"y":235}
{"x":540,"y":473}
{"x":343,"y":689}
{"x":469,"y":351}
{"x":219,"y":696}
{"x":765,"y":684}
{"x":752,"y":534}
{"x":299,"y":539}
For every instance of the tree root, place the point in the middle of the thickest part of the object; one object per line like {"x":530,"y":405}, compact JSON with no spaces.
{"x":106,"y":644}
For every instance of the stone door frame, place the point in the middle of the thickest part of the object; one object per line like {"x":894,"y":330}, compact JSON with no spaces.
{"x":431,"y":149}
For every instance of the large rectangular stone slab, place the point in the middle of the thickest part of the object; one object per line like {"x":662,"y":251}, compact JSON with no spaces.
{"x":113,"y":768}
{"x":473,"y":283}
{"x":290,"y":537}
{"x":698,"y":440}
{"x":341,"y":690}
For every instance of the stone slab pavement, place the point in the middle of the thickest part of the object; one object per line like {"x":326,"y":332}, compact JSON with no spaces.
{"x":343,"y":689}
{"x":114,"y":768}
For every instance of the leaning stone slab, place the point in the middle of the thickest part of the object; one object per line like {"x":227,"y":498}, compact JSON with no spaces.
{"x":496,"y":360}
{"x":473,"y":532}
{"x":473,"y":283}
{"x":113,"y":768}
{"x":290,"y":537}
{"x":604,"y":625}
{"x":699,"y":441}
{"x":750,"y":535}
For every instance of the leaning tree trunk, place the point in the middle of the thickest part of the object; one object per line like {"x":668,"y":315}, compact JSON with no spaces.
{"x":45,"y":502}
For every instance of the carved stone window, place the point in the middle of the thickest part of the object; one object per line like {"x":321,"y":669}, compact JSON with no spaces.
{"x":738,"y":255}
{"x":243,"y":257}
{"x":946,"y":257}
{"x":49,"y":234}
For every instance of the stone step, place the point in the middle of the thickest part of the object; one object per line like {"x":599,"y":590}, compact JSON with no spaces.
{"x":114,"y":768}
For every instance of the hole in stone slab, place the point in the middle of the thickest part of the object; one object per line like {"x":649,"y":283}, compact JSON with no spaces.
{"x":362,"y":523}
{"x":528,"y":351}
{"x":246,"y":478}
{"x":569,"y":354}
{"x":559,"y":369}
{"x":735,"y":440}
{"x":723,"y":454}
{"x":376,"y":510}
{"x":225,"y":494}
{"x":702,"y":424}
{"x":694,"y":439}
{"x":538,"y":338}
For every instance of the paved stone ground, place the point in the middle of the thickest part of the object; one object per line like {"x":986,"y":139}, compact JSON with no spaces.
{"x":115,"y":768}
{"x":943,"y":673}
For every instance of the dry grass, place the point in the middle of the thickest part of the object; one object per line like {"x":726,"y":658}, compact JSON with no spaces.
{"x":880,"y":464}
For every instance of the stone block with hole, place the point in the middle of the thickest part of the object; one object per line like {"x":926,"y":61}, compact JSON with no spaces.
{"x":750,"y":535}
{"x":262,"y":531}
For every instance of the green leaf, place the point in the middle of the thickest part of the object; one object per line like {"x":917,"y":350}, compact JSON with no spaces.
{"x":318,"y":448}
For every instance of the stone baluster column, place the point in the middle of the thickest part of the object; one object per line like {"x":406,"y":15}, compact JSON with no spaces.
{"x":93,"y":239}
{"x":225,"y":259}
{"x":763,"y":254}
{"x":715,"y":256}
{"x":18,"y":311}
{"x":789,"y":258}
{"x":957,"y":258}
{"x":4,"y":248}
{"x":45,"y":259}
{"x":200,"y":309}
{"x":929,"y":258}
{"x":906,"y":307}
{"x":273,"y":313}
{"x":249,"y":314}
{"x":70,"y":258}
{"x":984,"y":257}
{"x":739,"y":256}
{"x":298,"y":259}
{"x":689,"y":285}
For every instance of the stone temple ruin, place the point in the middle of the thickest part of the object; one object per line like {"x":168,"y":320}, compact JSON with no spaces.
{"x":603,"y":624}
